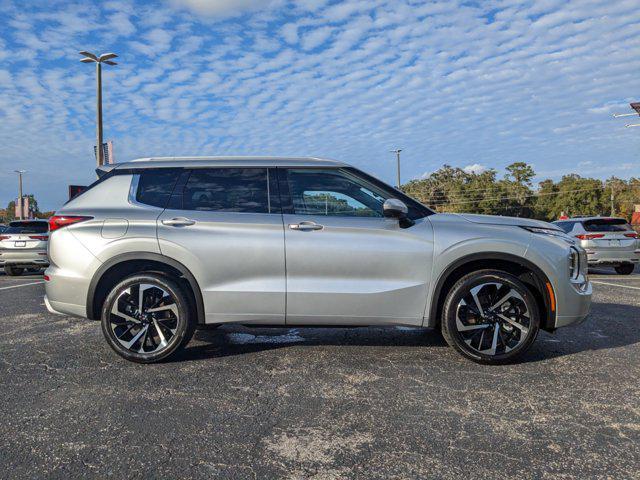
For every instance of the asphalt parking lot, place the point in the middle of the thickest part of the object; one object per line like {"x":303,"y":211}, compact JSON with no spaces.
{"x":319,"y":403}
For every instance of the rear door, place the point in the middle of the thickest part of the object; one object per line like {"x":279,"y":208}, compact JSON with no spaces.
{"x":225,"y":225}
{"x":346,"y":263}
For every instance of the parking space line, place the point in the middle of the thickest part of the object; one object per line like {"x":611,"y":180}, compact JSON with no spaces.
{"x":22,"y":285}
{"x":615,"y":285}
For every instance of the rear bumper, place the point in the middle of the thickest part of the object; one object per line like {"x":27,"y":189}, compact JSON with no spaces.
{"x":24,"y":258}
{"x":60,"y":308}
{"x":612,"y":257}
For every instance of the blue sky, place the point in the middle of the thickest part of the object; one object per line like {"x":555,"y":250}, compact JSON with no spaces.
{"x":471,"y":84}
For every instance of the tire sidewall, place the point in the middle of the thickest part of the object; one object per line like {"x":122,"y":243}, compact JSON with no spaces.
{"x":185,"y":325}
{"x":625,"y":269}
{"x":461,"y":288}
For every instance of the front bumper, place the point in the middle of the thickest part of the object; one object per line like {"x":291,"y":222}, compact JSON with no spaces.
{"x":573,"y":296}
{"x":24,"y":258}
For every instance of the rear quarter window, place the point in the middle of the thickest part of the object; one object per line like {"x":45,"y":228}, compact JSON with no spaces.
{"x":155,"y":186}
{"x":566,"y":227}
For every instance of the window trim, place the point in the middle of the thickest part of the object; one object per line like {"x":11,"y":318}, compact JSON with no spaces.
{"x":287,"y":202}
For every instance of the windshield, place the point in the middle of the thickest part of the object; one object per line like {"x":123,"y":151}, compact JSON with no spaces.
{"x":27,"y":227}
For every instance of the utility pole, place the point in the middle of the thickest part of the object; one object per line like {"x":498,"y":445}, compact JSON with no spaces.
{"x":20,"y":199}
{"x":98,"y":60}
{"x":397,"y":152}
{"x":613,"y":212}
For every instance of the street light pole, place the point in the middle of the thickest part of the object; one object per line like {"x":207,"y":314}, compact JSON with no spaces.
{"x":397,"y":152}
{"x":100,"y":153}
{"x":98,"y":60}
{"x":20,"y":172}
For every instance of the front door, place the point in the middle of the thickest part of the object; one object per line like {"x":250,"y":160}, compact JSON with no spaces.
{"x":347,"y":263}
{"x":225,"y":226}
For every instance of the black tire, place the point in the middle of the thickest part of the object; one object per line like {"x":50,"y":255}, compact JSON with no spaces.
{"x":175,"y":328}
{"x":13,"y":271}
{"x":625,"y":269}
{"x":509,"y":342}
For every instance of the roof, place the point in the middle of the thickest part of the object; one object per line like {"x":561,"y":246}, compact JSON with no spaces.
{"x":156,"y":162}
{"x":586,"y":218}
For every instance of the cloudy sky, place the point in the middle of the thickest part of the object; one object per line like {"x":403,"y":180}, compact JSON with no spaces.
{"x":472,"y":84}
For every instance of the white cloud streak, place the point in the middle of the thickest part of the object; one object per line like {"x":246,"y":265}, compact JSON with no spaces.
{"x":472,"y":86}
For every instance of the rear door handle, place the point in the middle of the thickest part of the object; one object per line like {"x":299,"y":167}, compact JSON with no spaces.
{"x":305,"y":226}
{"x":178,"y":222}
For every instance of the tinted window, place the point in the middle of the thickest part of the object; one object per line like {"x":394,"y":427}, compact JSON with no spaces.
{"x":243,"y":190}
{"x":606,"y":225}
{"x":566,"y":227}
{"x":332,"y":192}
{"x":28,"y":227}
{"x":155,"y":186}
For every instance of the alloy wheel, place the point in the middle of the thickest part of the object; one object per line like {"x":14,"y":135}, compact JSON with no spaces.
{"x":144,"y":318}
{"x":493,"y":318}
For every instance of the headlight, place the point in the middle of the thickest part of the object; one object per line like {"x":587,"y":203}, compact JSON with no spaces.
{"x":574,"y":264}
{"x":552,"y":232}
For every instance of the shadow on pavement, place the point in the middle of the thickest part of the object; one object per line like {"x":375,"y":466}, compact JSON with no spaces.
{"x":238,"y":340}
{"x":608,"y":326}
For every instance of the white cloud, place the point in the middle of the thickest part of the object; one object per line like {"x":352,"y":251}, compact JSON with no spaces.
{"x":475,"y":168}
{"x":290,"y":33}
{"x":316,"y":37}
{"x":222,"y":7}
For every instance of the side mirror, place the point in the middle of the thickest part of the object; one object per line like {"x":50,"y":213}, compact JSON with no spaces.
{"x":394,"y":208}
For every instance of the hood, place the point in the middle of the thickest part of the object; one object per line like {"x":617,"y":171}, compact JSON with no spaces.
{"x":499,"y":220}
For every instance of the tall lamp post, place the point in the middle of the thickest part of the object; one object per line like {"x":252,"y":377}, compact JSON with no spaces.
{"x":20,"y":172}
{"x":99,"y":60}
{"x":397,"y":152}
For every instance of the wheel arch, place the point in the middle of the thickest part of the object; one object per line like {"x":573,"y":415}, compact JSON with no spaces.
{"x":124,"y":264}
{"x":526,"y":271}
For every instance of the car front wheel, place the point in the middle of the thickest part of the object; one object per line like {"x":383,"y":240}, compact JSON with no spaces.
{"x":490,"y":316}
{"x":146,"y":318}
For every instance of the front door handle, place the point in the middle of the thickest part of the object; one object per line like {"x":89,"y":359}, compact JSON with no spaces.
{"x":178,"y":222}
{"x":305,"y":226}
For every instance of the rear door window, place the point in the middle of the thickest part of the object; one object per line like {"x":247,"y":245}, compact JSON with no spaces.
{"x":606,"y":225}
{"x":238,"y":190}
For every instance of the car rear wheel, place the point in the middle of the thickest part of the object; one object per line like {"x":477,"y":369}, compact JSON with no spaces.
{"x":490,"y":316}
{"x":147,"y":317}
{"x":625,"y":269}
{"x":13,"y":271}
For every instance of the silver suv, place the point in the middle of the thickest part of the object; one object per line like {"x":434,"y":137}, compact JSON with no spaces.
{"x":158,"y":247}
{"x":607,"y":241}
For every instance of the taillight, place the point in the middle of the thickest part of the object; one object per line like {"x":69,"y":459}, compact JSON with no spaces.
{"x":590,"y":236}
{"x":632,"y":235}
{"x":44,"y":238}
{"x":4,"y":237}
{"x":60,"y":221}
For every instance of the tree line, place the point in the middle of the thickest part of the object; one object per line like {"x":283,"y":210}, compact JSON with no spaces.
{"x":452,"y":189}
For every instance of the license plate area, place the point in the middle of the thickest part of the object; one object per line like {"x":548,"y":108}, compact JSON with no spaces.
{"x":614,"y":243}
{"x":20,"y":244}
